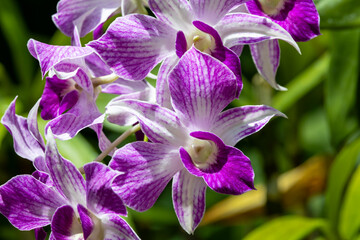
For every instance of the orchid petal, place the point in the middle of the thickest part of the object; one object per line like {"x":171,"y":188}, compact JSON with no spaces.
{"x":83,"y":14}
{"x":266,"y":56}
{"x":27,"y":143}
{"x":211,"y":11}
{"x":237,"y":123}
{"x":66,"y":177}
{"x":134,"y":44}
{"x":28,"y":203}
{"x":87,"y":223}
{"x":65,"y":225}
{"x":40,"y":234}
{"x":161,"y":125}
{"x":147,"y":167}
{"x":104,"y":142}
{"x":116,"y":228}
{"x":49,"y":55}
{"x":176,"y":13}
{"x":188,"y":194}
{"x":243,"y":28}
{"x":299,"y":18}
{"x":201,"y":87}
{"x":101,"y":199}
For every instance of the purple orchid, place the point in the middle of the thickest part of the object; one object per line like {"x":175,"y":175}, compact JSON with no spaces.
{"x":75,"y":208}
{"x":192,"y":144}
{"x":71,"y":89}
{"x":134,"y":44}
{"x":79,"y":17}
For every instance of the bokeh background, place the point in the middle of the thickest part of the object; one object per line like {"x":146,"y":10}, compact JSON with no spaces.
{"x":307,"y":174}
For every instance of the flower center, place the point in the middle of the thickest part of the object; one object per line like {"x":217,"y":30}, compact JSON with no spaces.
{"x":272,"y":7}
{"x":202,"y":152}
{"x":201,"y":40}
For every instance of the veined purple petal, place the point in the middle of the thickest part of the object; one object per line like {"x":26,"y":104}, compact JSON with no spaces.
{"x":49,"y":55}
{"x":180,"y":44}
{"x":211,"y":11}
{"x":104,"y":142}
{"x":147,"y":167}
{"x":242,"y":28}
{"x":188,"y":194}
{"x":162,"y":86}
{"x":176,"y":13}
{"x":266,"y":56}
{"x":86,"y":15}
{"x":299,"y":17}
{"x":87,"y":223}
{"x":65,"y":225}
{"x":160,"y":124}
{"x":201,"y":87}
{"x":66,"y":177}
{"x":134,"y":44}
{"x":97,"y":66}
{"x":115,"y":228}
{"x":28,"y":203}
{"x":40,"y":234}
{"x":237,"y":123}
{"x":229,"y":171}
{"x":101,"y":199}
{"x":43,"y":177}
{"x":27,"y":143}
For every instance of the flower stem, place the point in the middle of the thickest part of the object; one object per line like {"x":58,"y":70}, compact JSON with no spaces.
{"x":113,"y":145}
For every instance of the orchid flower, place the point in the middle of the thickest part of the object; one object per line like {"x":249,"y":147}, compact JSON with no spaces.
{"x":192,"y":144}
{"x":85,"y":16}
{"x":134,"y":44}
{"x":75,"y":208}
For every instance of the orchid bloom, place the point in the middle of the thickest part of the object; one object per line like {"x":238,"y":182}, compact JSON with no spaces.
{"x":75,"y":208}
{"x":85,"y":16}
{"x":71,"y":89}
{"x":134,"y":44}
{"x":191,"y":144}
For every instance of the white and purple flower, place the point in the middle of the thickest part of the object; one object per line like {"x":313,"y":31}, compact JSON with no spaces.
{"x":192,"y":144}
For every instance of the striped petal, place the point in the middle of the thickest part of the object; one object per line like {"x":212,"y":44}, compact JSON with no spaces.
{"x":188,"y":193}
{"x":243,"y":28}
{"x":133,"y":45}
{"x":211,"y":11}
{"x":147,"y":167}
{"x":266,"y":56}
{"x":237,"y":123}
{"x":65,"y":225}
{"x":115,"y":228}
{"x":201,"y":87}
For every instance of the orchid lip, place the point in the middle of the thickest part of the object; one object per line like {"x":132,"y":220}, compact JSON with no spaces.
{"x":272,"y":7}
{"x":202,"y":152}
{"x":204,"y":42}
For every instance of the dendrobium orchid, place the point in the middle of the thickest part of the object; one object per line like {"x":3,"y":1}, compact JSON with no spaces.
{"x":134,"y":44}
{"x":193,"y":144}
{"x":76,"y":208}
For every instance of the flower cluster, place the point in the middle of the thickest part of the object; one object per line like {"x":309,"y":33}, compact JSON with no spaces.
{"x":191,"y":137}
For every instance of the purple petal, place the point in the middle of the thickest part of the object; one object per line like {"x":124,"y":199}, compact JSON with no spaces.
{"x":122,"y":86}
{"x":176,"y":13}
{"x":180,"y":44}
{"x":101,"y":199}
{"x":82,"y":14}
{"x":201,"y":87}
{"x":133,"y":45}
{"x":162,"y":86}
{"x":43,"y":177}
{"x":49,"y":55}
{"x":266,"y":56}
{"x":242,"y":28}
{"x":65,"y":225}
{"x":229,"y":171}
{"x":299,"y":18}
{"x":87,"y":223}
{"x":40,"y":234}
{"x":160,"y":124}
{"x":116,"y":228}
{"x":27,"y":142}
{"x":97,"y":66}
{"x":28,"y":203}
{"x":104,"y":142}
{"x":147,"y":167}
{"x":66,"y":177}
{"x":188,"y":194}
{"x":211,"y":11}
{"x":237,"y":123}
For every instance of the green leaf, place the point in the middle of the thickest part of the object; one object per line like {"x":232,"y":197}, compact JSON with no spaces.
{"x":341,"y":83}
{"x":339,"y":13}
{"x":302,"y":84}
{"x":349,"y":222}
{"x":340,"y":171}
{"x":287,"y":227}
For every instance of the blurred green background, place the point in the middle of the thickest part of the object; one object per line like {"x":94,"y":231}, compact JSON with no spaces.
{"x":307,"y":166}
